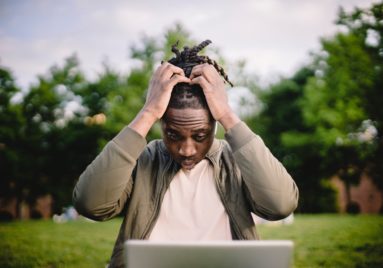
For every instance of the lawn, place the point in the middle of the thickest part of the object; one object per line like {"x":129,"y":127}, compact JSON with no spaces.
{"x":320,"y":241}
{"x":332,"y":240}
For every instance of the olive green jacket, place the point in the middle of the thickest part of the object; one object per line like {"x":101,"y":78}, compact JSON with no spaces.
{"x":131,"y":174}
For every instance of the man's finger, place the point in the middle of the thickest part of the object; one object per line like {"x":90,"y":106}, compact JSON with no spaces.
{"x":170,"y":69}
{"x":196,"y":71}
{"x":201,"y":70}
{"x":200,"y":80}
{"x":178,"y":79}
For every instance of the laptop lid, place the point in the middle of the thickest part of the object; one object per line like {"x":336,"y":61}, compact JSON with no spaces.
{"x":206,"y":254}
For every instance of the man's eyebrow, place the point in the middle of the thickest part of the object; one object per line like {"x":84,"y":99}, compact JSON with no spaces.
{"x":171,"y":129}
{"x":201,"y":130}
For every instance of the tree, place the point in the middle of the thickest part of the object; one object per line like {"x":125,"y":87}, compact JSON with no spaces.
{"x":282,"y":126}
{"x":343,"y":101}
{"x":11,"y":122}
{"x":327,"y":120}
{"x":48,"y":107}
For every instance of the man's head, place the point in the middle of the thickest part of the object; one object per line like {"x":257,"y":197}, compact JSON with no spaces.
{"x":187,"y":125}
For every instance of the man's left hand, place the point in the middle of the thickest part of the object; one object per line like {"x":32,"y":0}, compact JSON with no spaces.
{"x":213,"y":87}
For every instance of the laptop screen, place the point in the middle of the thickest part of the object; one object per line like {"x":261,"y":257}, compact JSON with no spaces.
{"x":222,"y":254}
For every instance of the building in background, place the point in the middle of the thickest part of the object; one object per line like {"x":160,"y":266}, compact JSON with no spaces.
{"x":365,"y":198}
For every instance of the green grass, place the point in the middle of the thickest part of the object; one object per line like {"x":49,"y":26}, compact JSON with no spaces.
{"x":48,"y":244}
{"x":332,"y":240}
{"x":320,"y":241}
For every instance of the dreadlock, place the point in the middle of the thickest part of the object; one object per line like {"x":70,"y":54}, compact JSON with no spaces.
{"x":188,"y":58}
{"x":185,"y":95}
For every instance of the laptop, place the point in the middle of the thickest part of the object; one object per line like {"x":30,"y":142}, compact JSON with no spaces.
{"x":208,"y":254}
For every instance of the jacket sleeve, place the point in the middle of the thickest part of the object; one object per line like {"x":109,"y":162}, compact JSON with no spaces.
{"x":105,"y":185}
{"x":272,"y":192}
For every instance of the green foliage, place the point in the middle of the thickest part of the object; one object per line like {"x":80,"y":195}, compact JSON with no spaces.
{"x":94,"y":95}
{"x":343,"y":101}
{"x":327,"y":119}
{"x":338,"y":95}
{"x":11,"y":122}
{"x":47,"y":148}
{"x":282,"y":126}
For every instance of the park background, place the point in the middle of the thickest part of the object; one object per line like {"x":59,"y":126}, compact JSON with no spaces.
{"x":322,"y":117}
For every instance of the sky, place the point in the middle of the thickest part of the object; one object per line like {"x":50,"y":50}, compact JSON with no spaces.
{"x":275,"y":37}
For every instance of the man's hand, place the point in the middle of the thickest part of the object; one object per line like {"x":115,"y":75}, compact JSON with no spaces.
{"x":160,"y":89}
{"x":213,"y":87}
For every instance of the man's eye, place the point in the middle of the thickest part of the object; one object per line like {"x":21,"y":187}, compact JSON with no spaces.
{"x":173,"y":136}
{"x":200,"y":137}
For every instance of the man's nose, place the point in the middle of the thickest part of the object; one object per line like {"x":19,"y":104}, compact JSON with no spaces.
{"x":187,"y":148}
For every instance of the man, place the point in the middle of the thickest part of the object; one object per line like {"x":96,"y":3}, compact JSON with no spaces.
{"x":189,"y":185}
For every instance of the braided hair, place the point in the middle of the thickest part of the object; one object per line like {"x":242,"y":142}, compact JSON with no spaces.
{"x":189,"y":58}
{"x":191,"y":96}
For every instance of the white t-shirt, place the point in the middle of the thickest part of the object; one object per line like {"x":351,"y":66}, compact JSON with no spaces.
{"x":192,"y":208}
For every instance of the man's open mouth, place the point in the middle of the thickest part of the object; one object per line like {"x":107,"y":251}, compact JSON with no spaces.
{"x":187,"y":164}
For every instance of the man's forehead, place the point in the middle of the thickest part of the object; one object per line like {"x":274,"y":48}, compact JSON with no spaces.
{"x":192,"y":129}
{"x":193,"y":118}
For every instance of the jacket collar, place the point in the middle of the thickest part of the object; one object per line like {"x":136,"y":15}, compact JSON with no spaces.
{"x":214,"y":148}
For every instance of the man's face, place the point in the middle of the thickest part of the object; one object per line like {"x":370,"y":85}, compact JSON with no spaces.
{"x":188,"y":134}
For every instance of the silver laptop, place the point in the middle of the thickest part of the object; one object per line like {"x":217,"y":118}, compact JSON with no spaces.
{"x":209,"y":254}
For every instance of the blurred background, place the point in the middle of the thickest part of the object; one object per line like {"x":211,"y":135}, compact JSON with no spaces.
{"x":308,"y":79}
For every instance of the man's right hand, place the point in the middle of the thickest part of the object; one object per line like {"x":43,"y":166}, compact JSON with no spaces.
{"x":160,"y":89}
